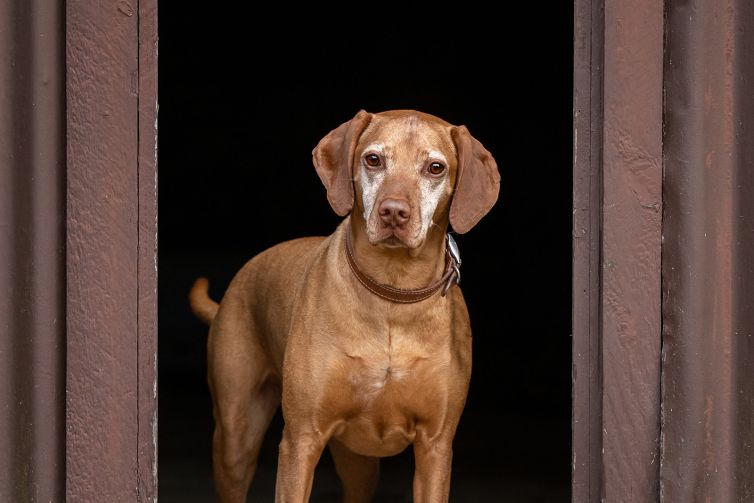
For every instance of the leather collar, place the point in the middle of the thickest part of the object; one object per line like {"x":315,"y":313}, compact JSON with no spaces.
{"x":451,"y":276}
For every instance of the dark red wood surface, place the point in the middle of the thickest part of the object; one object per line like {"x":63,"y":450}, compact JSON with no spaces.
{"x":631,"y":240}
{"x":147,"y":258}
{"x":32,"y":260}
{"x":111,"y":222}
{"x":708,"y":255}
{"x":587,"y":212}
{"x":617,"y":239}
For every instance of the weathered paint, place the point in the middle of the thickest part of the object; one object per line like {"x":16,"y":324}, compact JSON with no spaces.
{"x":631,"y":234}
{"x":708,"y":253}
{"x":32,"y":239}
{"x":617,"y":223}
{"x":111,"y":247}
{"x":587,"y":209}
{"x":147,"y":243}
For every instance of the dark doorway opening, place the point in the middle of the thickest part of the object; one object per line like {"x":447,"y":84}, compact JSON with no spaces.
{"x":241,"y":107}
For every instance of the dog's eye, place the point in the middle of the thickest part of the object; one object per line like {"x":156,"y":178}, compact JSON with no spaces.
{"x":436,"y":168}
{"x":372,"y":160}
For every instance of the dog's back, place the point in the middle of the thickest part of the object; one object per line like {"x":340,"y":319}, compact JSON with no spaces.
{"x":264,"y":289}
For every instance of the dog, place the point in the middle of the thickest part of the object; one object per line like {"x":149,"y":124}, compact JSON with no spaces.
{"x":363,"y":336}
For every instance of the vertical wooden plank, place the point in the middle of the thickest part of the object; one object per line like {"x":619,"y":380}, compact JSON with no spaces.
{"x":741,"y":475}
{"x":587,"y":210}
{"x":147,"y":269}
{"x":631,"y":240}
{"x":102,"y":245}
{"x":32,"y":240}
{"x":708,"y":276}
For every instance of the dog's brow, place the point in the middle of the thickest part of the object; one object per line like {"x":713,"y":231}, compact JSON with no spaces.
{"x":437,"y":155}
{"x":374,"y":147}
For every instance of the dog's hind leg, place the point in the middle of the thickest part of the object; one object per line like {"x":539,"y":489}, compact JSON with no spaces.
{"x":236,"y":443}
{"x":358,"y":474}
{"x":245,"y":394}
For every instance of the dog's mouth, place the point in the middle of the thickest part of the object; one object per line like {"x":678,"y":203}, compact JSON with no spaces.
{"x":393,"y":241}
{"x":393,"y":238}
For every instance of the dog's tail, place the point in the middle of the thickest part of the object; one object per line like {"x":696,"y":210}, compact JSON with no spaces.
{"x":203,"y":307}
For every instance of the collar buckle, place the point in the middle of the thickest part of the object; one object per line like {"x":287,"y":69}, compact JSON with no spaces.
{"x":455,"y":264}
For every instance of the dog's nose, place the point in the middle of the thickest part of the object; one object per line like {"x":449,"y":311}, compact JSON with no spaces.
{"x":394,"y":212}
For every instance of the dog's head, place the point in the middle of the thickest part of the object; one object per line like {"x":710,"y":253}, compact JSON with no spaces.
{"x":404,"y":171}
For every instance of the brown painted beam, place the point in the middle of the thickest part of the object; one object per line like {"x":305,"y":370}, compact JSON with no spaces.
{"x":631,"y":220}
{"x":111,"y":337}
{"x":147,"y":258}
{"x":617,"y":240}
{"x":32,"y":240}
{"x":708,"y":255}
{"x":587,"y":211}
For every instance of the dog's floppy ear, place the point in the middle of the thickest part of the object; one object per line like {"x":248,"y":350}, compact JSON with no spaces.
{"x":333,"y":158}
{"x":477,"y":181}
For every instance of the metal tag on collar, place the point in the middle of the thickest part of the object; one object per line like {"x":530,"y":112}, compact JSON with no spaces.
{"x":456,"y":254}
{"x":453,"y":249}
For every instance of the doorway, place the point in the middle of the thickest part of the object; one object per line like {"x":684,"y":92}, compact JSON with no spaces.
{"x":240,"y":112}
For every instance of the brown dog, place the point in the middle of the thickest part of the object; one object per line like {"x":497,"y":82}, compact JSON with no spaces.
{"x":368,"y":357}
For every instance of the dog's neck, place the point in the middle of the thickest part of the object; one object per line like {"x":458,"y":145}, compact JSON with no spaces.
{"x":400,"y":267}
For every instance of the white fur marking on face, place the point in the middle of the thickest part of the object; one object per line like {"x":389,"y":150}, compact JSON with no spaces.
{"x":370,"y":181}
{"x":430,"y":193}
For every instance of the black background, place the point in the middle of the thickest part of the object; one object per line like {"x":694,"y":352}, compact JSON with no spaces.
{"x":244,"y":97}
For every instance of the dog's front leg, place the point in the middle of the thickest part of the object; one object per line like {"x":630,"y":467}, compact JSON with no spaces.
{"x":299,"y":453}
{"x":433,"y":457}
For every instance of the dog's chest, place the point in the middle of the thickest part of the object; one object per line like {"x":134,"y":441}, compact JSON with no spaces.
{"x":384,"y":376}
{"x":385,"y":388}
{"x":392,"y":361}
